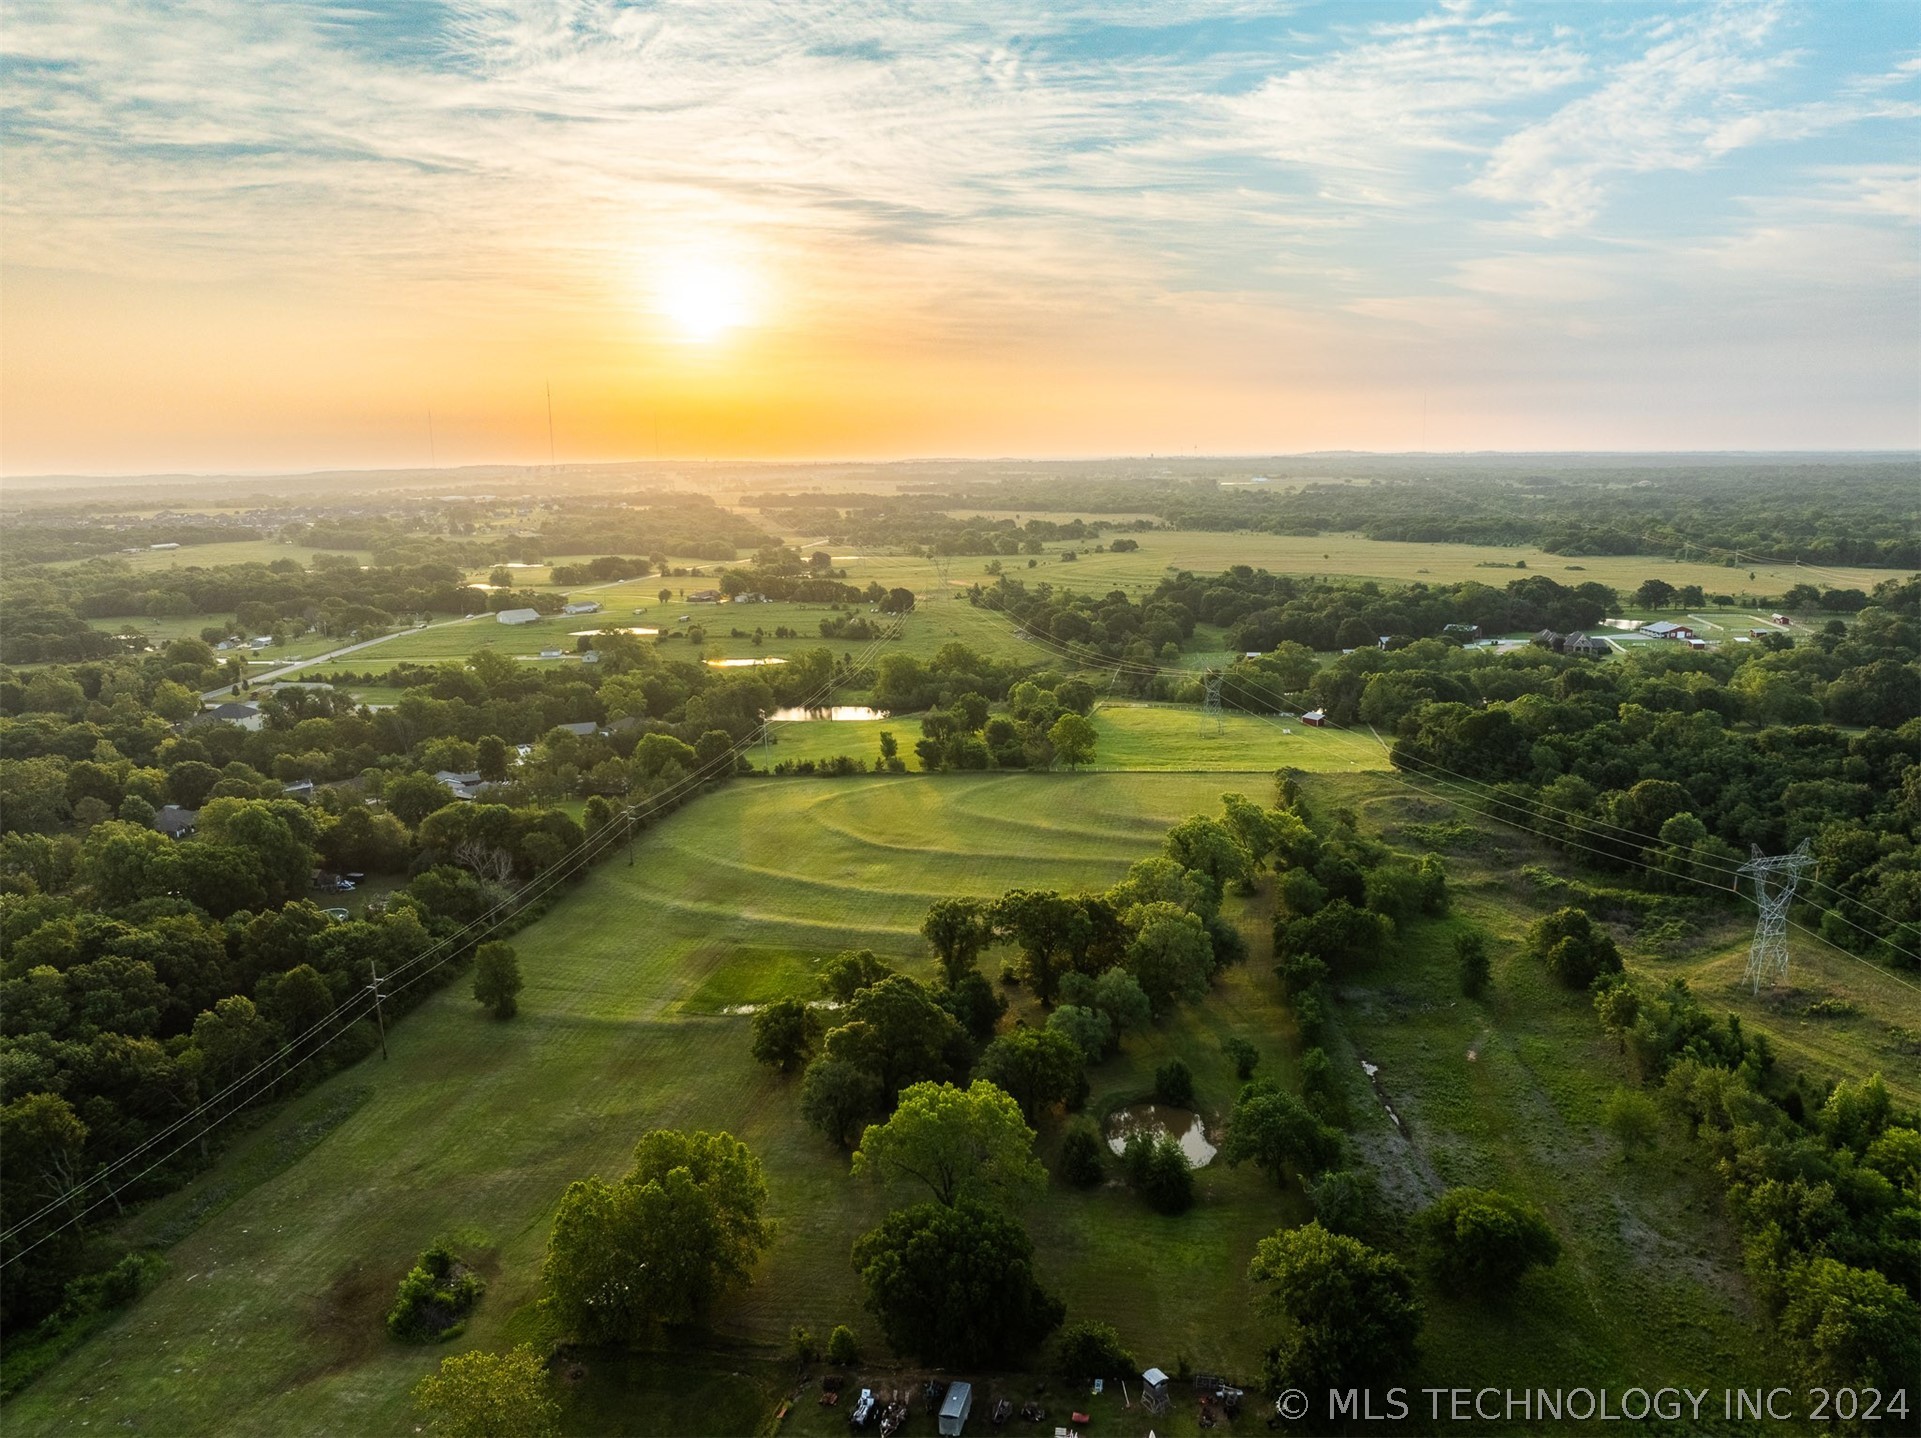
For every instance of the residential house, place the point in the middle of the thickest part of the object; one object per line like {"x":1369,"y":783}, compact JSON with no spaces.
{"x":176,"y":822}
{"x":1586,"y":646}
{"x":234,"y":712}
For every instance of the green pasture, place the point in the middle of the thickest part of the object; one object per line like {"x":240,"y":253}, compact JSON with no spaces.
{"x":1132,"y":736}
{"x":281,"y":1267}
{"x":209,"y":556}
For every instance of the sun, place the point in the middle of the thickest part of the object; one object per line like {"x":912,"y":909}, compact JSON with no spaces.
{"x":703,"y":298}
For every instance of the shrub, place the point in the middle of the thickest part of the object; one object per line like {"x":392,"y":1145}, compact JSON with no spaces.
{"x":1089,"y":1350}
{"x":1320,"y":1089}
{"x":1243,"y":1055}
{"x":1574,"y":947}
{"x":1483,"y":1241}
{"x":1632,"y":1118}
{"x":1158,"y":1170}
{"x":1470,"y":953}
{"x":1174,"y":1084}
{"x":1083,"y":1160}
{"x":800,"y":1343}
{"x":843,"y":1349}
{"x":434,"y":1298}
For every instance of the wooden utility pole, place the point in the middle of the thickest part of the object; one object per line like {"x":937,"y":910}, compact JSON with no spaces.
{"x":380,"y":1020}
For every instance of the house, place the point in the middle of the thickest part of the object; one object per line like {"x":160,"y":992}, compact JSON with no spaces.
{"x":1463,"y":632}
{"x":176,"y":822}
{"x":1665,"y":629}
{"x":1780,"y":619}
{"x":517,"y":616}
{"x":1586,"y":646}
{"x":1549,"y":639}
{"x":1315,"y":718}
{"x":585,"y":729}
{"x":464,"y":786}
{"x":752,"y":599}
{"x":223,"y":646}
{"x":955,"y":1407}
{"x":590,"y":656}
{"x":552,"y":651}
{"x":260,"y":641}
{"x":585,"y":606}
{"x":704,"y":596}
{"x":241,"y":716}
{"x":301,"y":789}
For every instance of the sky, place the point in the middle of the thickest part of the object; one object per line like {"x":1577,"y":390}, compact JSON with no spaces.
{"x":269,"y":237}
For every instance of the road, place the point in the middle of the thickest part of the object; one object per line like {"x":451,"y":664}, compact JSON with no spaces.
{"x":225,"y":691}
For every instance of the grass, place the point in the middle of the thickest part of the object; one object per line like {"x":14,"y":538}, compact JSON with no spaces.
{"x":286,"y":1254}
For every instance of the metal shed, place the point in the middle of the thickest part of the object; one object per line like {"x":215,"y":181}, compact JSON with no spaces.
{"x":953,"y":1411}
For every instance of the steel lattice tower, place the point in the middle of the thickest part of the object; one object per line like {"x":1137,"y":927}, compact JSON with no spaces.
{"x":1212,"y":722}
{"x":1774,"y":883}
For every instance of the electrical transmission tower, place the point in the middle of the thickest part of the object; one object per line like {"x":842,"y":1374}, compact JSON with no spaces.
{"x":1212,"y":722}
{"x":1774,"y":882}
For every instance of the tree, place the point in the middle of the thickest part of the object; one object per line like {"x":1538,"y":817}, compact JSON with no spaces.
{"x":850,"y":971}
{"x":786,"y":1033}
{"x":1171,"y":957}
{"x":489,"y":1395}
{"x":1088,"y":1350}
{"x":975,"y":1005}
{"x":956,"y":1286}
{"x":957,"y":930}
{"x":1174,"y":1084}
{"x":1158,"y":1169}
{"x":896,"y":1031}
{"x":497,"y":978}
{"x":1338,"y":934}
{"x":1083,"y":1155}
{"x":1851,"y":1326}
{"x":1274,"y":1131}
{"x":1470,"y":956}
{"x":1482,"y":1241}
{"x":1353,"y":1314}
{"x":412,"y":797}
{"x":963,"y":1144}
{"x":1243,"y":1055}
{"x":843,"y":1349}
{"x":1047,"y":926}
{"x":1073,"y":738}
{"x":490,"y":757}
{"x":1209,"y":848}
{"x":837,"y":1098}
{"x":1631,"y":1117}
{"x":1576,"y":950}
{"x":1088,"y":1028}
{"x":1038,"y":1067}
{"x":657,"y":1245}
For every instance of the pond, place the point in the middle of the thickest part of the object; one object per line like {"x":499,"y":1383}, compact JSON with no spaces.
{"x":1182,"y":1125}
{"x":630,"y":629}
{"x":827,"y":711}
{"x":744,"y":663}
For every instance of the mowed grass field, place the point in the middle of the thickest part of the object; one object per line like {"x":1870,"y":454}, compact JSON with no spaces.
{"x":1132,"y":736}
{"x":270,"y":1317}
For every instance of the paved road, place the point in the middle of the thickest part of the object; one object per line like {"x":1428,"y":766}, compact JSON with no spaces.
{"x":225,"y":691}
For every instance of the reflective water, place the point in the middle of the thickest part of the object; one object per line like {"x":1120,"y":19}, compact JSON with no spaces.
{"x":744,"y":663}
{"x":828,"y":711}
{"x":630,"y":629}
{"x":1182,"y":1125}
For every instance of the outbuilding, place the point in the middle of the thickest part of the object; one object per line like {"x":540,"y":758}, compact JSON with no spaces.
{"x":955,"y":1408}
{"x":1315,"y":718}
{"x":517,"y":616}
{"x":585,"y":606}
{"x":1665,"y":629}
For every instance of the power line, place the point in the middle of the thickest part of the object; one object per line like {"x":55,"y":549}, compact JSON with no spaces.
{"x":581,"y":858}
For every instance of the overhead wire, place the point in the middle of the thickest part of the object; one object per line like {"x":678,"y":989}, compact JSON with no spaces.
{"x":354,"y":1009}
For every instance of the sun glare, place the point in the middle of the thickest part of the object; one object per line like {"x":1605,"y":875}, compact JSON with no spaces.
{"x":703,"y":298}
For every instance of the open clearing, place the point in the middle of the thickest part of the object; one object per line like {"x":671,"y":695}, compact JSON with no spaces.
{"x":270,"y":1317}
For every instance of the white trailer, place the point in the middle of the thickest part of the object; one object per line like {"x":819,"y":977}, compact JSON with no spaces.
{"x":953,"y":1412}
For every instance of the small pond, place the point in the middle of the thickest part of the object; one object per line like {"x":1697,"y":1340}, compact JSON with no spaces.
{"x":743,"y":663}
{"x":630,"y":629}
{"x":1182,"y":1125}
{"x":827,"y":711}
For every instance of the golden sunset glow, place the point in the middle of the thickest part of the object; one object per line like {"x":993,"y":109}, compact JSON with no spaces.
{"x":703,"y":298}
